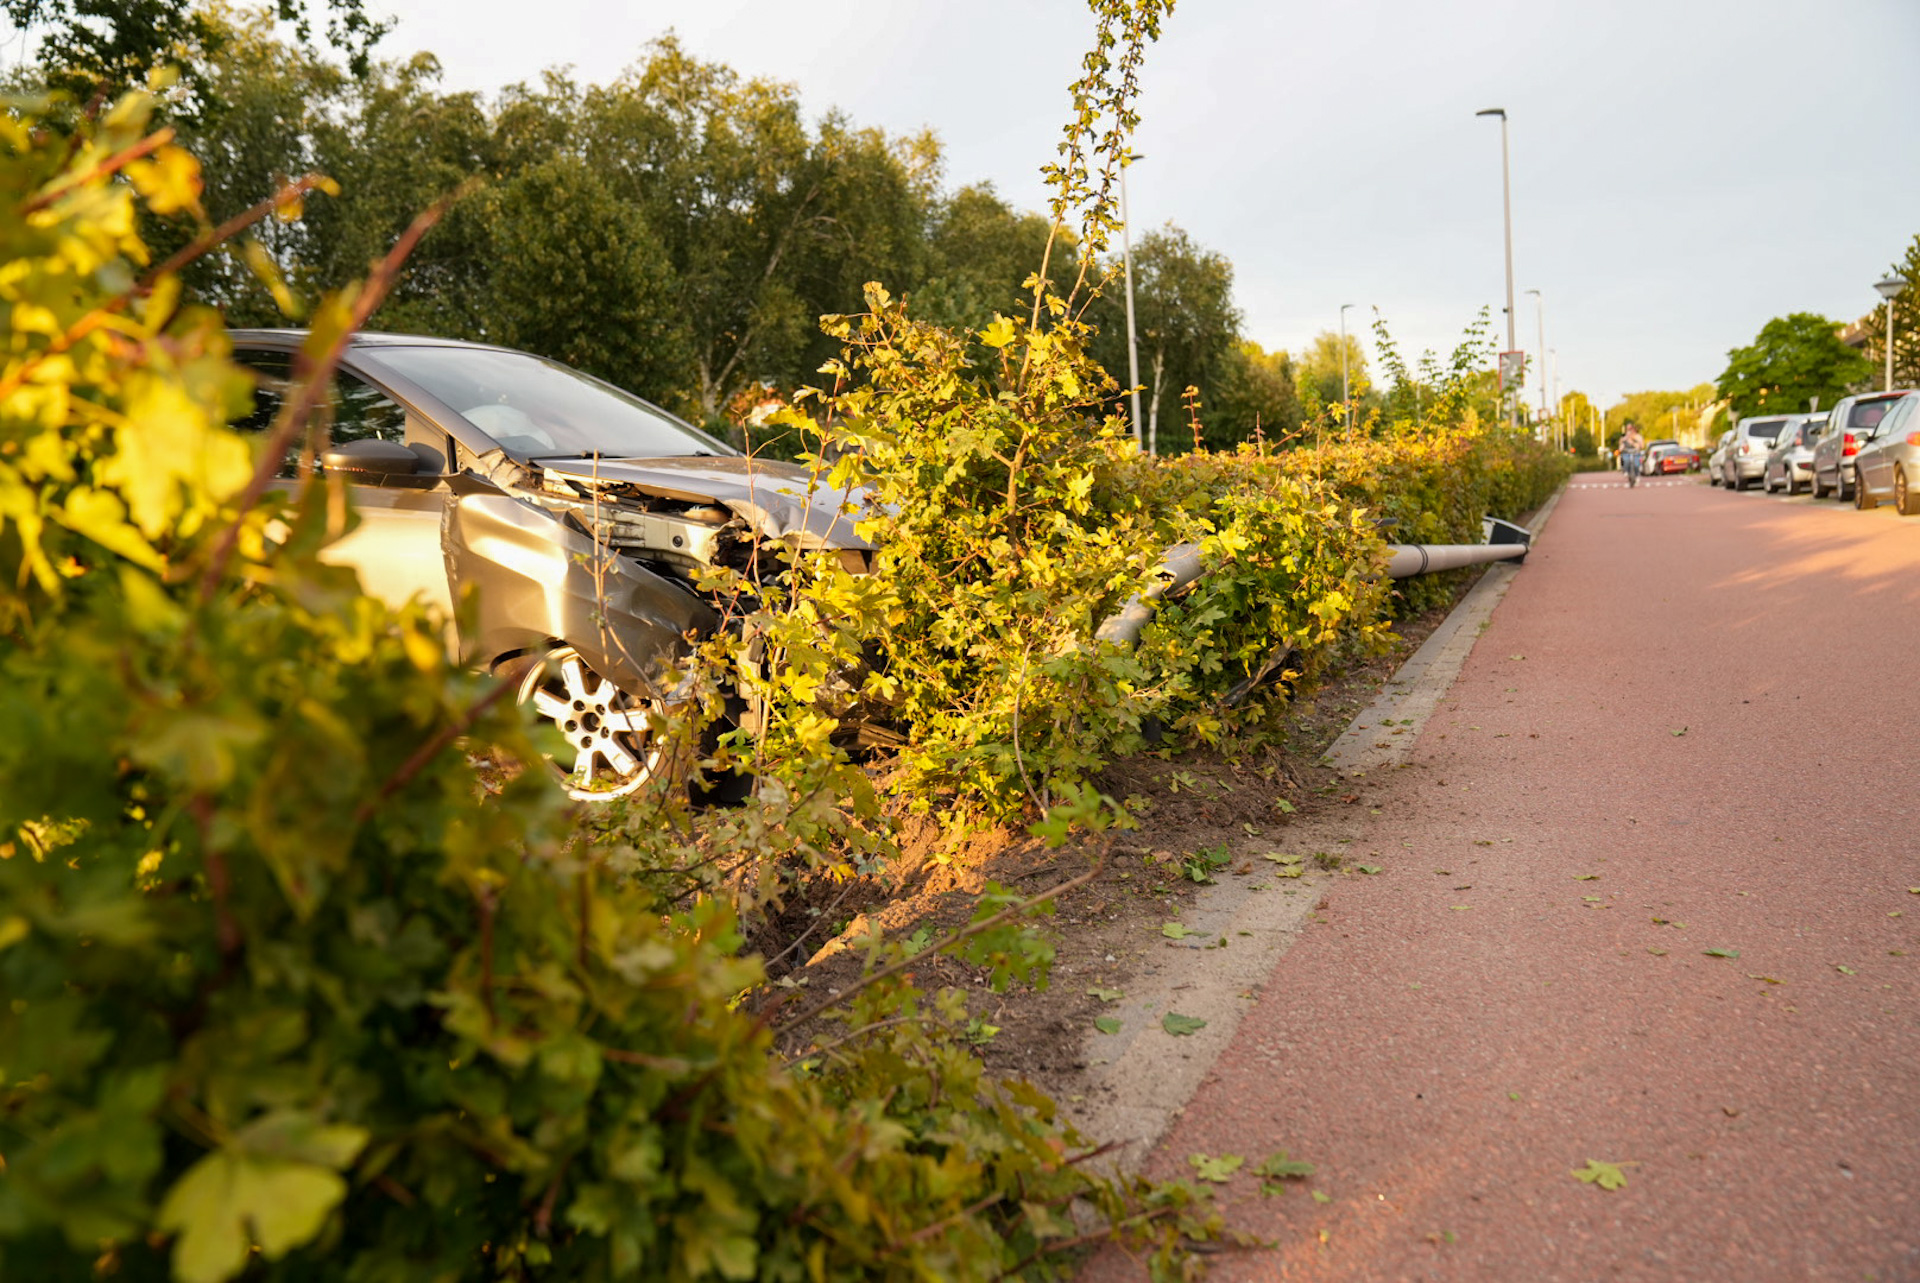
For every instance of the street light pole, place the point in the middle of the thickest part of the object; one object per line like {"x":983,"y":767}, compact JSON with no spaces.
{"x":1133,"y":347}
{"x":1346,"y":397}
{"x":1540,"y":311}
{"x":1890,"y":289}
{"x":1506,"y":210}
{"x":1559,"y":424}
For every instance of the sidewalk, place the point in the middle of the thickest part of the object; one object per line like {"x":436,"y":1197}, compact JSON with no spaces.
{"x":1666,"y":742}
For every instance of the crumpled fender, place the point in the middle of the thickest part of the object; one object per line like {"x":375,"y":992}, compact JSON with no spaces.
{"x":533,"y":577}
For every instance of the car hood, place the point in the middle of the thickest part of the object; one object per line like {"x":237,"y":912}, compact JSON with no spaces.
{"x":771,"y":496}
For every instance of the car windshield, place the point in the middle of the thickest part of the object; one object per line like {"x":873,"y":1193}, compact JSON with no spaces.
{"x":538,"y":408}
{"x":1768,"y":428}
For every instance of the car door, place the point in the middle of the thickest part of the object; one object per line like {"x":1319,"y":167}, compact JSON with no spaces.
{"x":396,"y":547}
{"x":1825,"y":447}
{"x":1875,"y":460}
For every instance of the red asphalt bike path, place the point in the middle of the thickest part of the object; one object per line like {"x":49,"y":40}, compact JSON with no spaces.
{"x":1692,"y":706}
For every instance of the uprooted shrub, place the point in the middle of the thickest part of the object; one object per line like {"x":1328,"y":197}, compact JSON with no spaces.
{"x":287,"y":996}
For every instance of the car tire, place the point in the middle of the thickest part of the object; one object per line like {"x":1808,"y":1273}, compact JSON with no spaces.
{"x":1793,"y":487}
{"x":1841,"y":490}
{"x":1819,"y":491}
{"x":1905,"y":502}
{"x":1864,"y":500}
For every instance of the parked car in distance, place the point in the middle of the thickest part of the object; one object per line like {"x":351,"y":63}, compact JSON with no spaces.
{"x":1679,"y":459}
{"x":1791,"y":459}
{"x":1888,"y":467}
{"x":1717,"y":461}
{"x":1746,"y":457}
{"x":1851,"y":425}
{"x":581,"y":514}
{"x":1655,"y":451}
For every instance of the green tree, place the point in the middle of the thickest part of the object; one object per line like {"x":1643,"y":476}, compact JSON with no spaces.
{"x":1666,"y":414}
{"x":1906,"y":324}
{"x":1253,"y":391}
{"x":255,"y":130}
{"x":579,"y":276}
{"x":767,"y":225}
{"x":94,"y":46}
{"x":1184,"y":318}
{"x":1317,"y":371}
{"x":399,"y":146}
{"x":980,"y":252}
{"x":1794,"y":359}
{"x":1581,"y":416}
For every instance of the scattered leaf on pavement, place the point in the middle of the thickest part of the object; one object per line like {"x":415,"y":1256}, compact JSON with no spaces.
{"x":1180,"y":1026}
{"x":1369,"y":868}
{"x":1320,"y":1196}
{"x":1656,"y":950}
{"x":1605,"y":1175}
{"x":1768,"y":979}
{"x":1175,"y":931}
{"x":1721,"y":953}
{"x":1282,"y":1168}
{"x":1218,"y":1170}
{"x":1107,"y":1024}
{"x":1680,"y":732}
{"x":1586,"y":877}
{"x":1105,"y":995}
{"x":1845,"y":971}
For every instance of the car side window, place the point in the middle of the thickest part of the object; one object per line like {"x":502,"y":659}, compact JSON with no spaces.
{"x":357,"y":410}
{"x":364,"y":413}
{"x":1898,"y":419}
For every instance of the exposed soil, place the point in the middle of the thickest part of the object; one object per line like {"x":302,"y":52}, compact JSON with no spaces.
{"x":1185,"y":803}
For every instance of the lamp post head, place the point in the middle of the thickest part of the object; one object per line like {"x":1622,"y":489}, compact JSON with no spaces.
{"x":1891,"y":288}
{"x":1493,"y":111}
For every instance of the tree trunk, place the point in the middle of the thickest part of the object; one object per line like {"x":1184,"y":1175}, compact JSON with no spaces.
{"x":1153,"y":403}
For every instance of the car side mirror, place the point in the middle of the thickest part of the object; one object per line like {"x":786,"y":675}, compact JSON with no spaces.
{"x":371,"y":458}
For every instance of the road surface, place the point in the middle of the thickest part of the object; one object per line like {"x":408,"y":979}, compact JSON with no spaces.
{"x":1644,"y":900}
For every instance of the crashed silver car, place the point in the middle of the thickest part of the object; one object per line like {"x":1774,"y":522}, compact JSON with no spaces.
{"x":578,"y":511}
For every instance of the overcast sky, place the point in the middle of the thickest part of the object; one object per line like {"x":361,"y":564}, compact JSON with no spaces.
{"x":1682,"y":169}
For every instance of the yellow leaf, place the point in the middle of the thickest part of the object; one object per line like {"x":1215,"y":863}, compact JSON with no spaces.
{"x":998,"y":334}
{"x":169,"y":180}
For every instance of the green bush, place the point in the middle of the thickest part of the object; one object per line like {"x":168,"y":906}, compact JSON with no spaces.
{"x":288,"y":997}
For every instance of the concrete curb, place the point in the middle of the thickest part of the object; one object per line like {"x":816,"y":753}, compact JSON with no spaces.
{"x":1141,"y":1079}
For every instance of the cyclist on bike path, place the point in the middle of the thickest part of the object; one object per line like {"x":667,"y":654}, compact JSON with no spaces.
{"x":1632,"y":446}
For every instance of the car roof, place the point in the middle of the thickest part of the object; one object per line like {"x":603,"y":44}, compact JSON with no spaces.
{"x":289,"y":338}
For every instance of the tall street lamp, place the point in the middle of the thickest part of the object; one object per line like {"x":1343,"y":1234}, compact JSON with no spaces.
{"x":1506,"y":209}
{"x":1540,"y":311}
{"x":1346,"y":398}
{"x":1126,"y":252}
{"x":1890,"y":289}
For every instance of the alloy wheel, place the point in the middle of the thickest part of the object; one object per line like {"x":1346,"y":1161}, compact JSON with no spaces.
{"x":611,"y":745}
